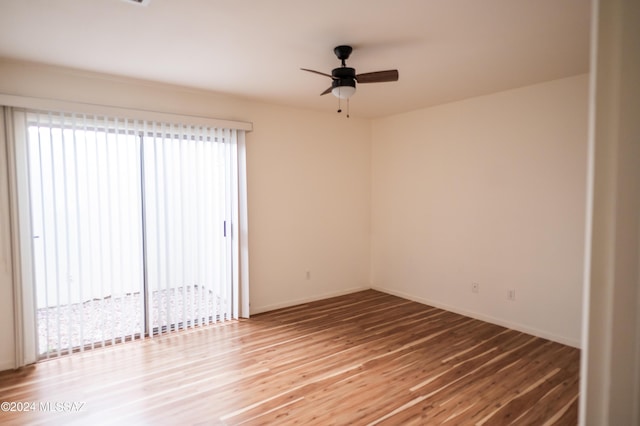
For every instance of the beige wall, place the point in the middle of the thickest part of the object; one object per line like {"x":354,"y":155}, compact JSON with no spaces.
{"x":488,"y":190}
{"x":308,"y":184}
{"x":309,"y":203}
{"x":610,"y":388}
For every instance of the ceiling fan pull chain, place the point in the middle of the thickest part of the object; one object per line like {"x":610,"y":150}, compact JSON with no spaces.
{"x":339,"y":106}
{"x":347,"y":107}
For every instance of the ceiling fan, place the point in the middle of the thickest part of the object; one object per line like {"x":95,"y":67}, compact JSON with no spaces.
{"x":344,"y":78}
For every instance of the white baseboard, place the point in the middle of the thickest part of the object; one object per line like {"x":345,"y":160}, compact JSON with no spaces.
{"x":486,"y":318}
{"x":260,"y":309}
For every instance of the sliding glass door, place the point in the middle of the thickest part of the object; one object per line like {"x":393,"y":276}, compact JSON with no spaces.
{"x":130,"y":226}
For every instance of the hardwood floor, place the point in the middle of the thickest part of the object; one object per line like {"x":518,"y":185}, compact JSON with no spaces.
{"x":367,"y":358}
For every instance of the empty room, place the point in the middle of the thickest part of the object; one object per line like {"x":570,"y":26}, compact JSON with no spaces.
{"x":323,"y":213}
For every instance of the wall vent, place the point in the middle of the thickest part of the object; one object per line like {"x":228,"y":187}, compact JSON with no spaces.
{"x":139,"y":2}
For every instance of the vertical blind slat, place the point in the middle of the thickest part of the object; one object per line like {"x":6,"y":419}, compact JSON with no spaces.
{"x":155,"y":284}
{"x":99,"y":195}
{"x":109,"y":222}
{"x":119,"y":229}
{"x":43,"y":231}
{"x":88,"y":231}
{"x":146,"y":313}
{"x":55,"y":236}
{"x":138,"y":304}
{"x":180,"y":222}
{"x":227,"y":204}
{"x":200,"y":260}
{"x":235,"y":202}
{"x":78,"y":241}
{"x":219,"y":251}
{"x":65,"y":237}
{"x":169,"y":240}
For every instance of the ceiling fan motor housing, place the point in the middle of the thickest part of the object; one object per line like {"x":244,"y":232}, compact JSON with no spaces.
{"x":343,"y":72}
{"x":343,"y":76}
{"x":342,"y":82}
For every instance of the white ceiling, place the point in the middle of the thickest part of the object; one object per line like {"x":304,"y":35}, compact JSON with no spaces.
{"x":445,"y":50}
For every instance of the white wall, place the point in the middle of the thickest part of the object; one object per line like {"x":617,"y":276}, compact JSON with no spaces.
{"x":308,"y":184}
{"x":488,"y":190}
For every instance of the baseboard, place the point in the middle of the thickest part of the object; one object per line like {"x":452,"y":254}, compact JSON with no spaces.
{"x":266,"y":308}
{"x":436,"y":304}
{"x":482,"y":317}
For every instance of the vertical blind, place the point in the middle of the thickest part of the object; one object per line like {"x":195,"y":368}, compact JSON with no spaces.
{"x":131,"y":227}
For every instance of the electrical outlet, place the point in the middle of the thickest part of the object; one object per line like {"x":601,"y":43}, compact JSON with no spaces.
{"x":511,"y":294}
{"x":475,"y":287}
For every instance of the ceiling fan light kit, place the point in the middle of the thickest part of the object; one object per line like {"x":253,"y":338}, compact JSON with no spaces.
{"x":343,"y":91}
{"x":344,"y":78}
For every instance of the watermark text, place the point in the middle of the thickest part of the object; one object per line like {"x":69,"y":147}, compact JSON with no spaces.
{"x":43,"y":406}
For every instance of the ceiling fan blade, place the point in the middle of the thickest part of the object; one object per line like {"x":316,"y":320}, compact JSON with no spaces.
{"x":326,"y":92}
{"x":377,"y":76}
{"x":317,"y":72}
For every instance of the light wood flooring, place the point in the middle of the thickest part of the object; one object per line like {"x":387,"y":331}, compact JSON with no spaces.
{"x":367,"y":358}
